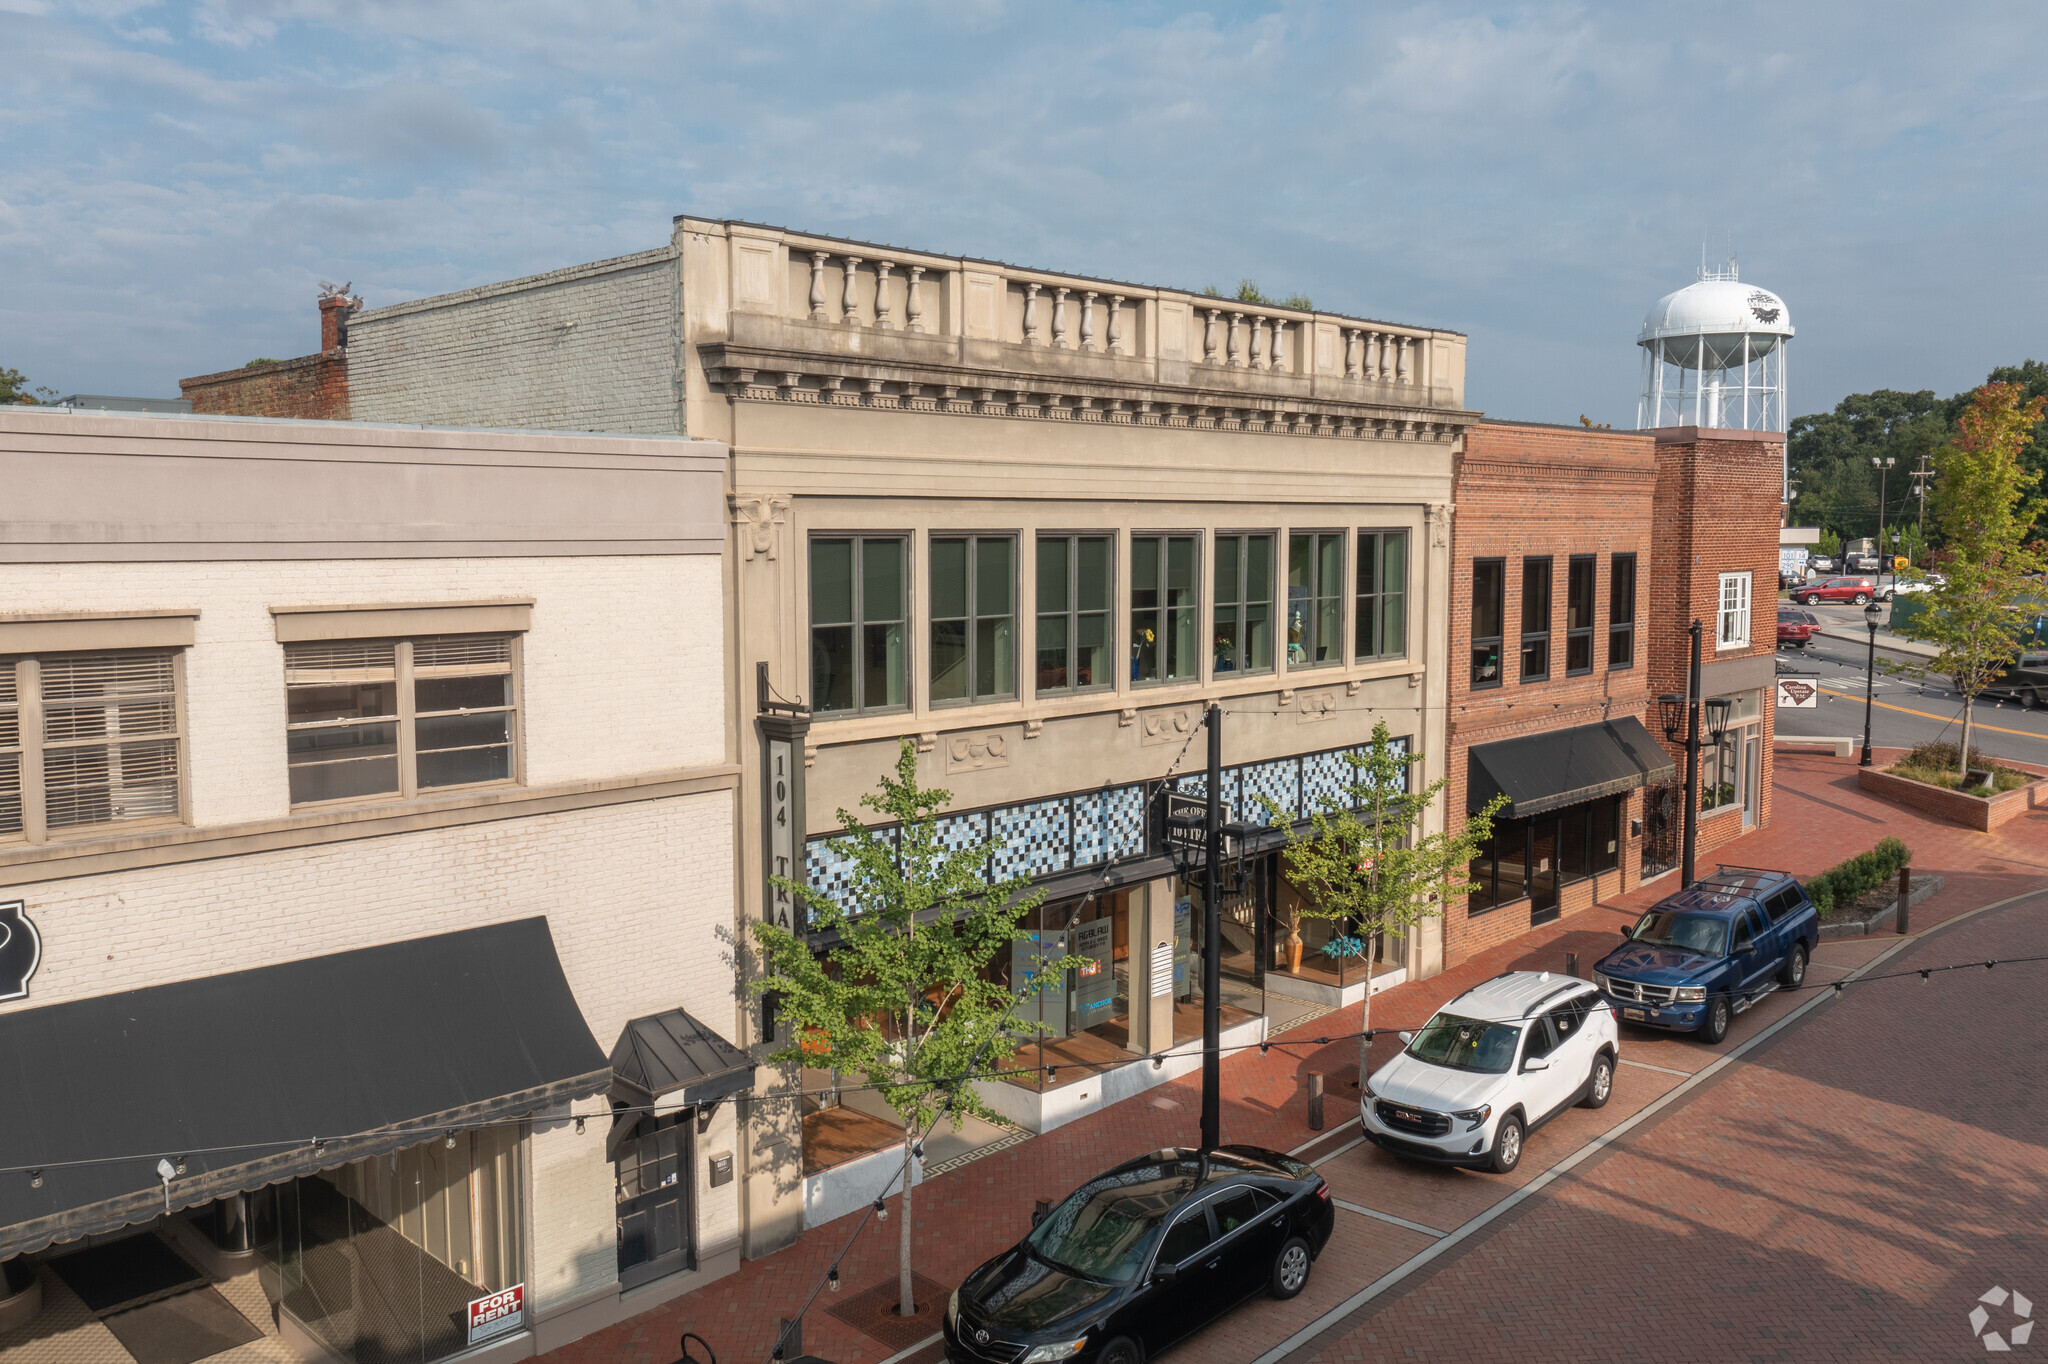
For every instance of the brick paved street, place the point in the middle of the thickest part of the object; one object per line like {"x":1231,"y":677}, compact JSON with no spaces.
{"x":1794,"y":1225}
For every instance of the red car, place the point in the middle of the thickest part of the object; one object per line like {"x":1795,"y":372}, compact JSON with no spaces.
{"x":1796,"y":628}
{"x":1857,"y":590}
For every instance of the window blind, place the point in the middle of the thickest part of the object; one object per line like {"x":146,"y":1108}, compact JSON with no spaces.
{"x":10,"y":751}
{"x":110,"y":750}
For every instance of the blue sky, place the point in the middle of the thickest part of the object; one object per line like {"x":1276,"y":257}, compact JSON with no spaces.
{"x":179,"y":177}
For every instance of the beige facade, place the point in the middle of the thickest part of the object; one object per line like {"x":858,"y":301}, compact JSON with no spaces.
{"x":585,"y":571}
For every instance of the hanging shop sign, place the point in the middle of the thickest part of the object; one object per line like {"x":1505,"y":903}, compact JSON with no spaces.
{"x":494,"y":1314}
{"x":21,"y":950}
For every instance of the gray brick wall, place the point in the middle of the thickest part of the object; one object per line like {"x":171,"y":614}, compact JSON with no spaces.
{"x":589,"y":348}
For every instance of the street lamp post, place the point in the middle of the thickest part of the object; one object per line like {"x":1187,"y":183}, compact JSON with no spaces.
{"x":1212,"y":929}
{"x":1884,"y":468}
{"x":1869,"y":672}
{"x":1684,"y":711}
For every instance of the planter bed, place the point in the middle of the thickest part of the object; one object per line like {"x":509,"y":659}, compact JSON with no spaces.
{"x":1972,"y":812}
{"x":1875,"y":911}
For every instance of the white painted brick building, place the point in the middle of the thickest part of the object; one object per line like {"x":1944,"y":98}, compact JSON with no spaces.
{"x":298,"y":591}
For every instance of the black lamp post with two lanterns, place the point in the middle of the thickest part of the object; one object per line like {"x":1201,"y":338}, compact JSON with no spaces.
{"x":1684,"y":712}
{"x":1870,"y":614}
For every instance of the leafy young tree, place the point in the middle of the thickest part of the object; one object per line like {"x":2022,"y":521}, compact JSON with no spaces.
{"x":1980,"y":502}
{"x":906,"y":1000}
{"x":15,"y":388}
{"x":1365,"y":858}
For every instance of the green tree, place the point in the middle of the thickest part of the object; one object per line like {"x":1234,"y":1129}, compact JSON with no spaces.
{"x":1365,"y":858}
{"x":1830,"y":545}
{"x":1980,"y":502}
{"x":15,"y":389}
{"x":1830,"y":453}
{"x":907,"y":999}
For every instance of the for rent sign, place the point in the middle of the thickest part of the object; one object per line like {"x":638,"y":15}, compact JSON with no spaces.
{"x":496,"y":1313}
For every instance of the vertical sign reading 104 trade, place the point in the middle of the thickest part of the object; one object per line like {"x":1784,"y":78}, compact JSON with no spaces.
{"x":782,"y":815}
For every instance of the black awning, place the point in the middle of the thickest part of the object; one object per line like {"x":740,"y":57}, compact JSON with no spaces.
{"x":665,"y":1053}
{"x":1540,"y":772}
{"x":240,"y":1075}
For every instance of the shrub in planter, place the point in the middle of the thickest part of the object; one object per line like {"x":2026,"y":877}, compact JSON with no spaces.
{"x":1840,"y":885}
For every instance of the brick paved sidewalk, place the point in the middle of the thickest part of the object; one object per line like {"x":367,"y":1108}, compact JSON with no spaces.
{"x":966,"y":1216}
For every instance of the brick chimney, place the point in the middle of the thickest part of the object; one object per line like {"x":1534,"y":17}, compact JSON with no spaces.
{"x":334,"y":311}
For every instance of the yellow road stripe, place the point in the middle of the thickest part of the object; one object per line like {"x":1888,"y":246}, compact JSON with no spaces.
{"x":1928,"y":715}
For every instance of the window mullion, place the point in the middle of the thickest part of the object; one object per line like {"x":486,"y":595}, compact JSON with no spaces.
{"x":408,"y":743}
{"x":28,"y":683}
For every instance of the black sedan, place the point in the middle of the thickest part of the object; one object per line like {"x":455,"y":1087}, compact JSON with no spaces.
{"x":1142,"y":1256}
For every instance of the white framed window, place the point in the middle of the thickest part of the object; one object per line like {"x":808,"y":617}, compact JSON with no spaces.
{"x":393,"y":719}
{"x":89,"y":739}
{"x":1734,"y":632}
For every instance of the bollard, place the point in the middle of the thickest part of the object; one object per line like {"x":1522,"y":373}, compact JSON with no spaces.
{"x":1315,"y":1101}
{"x":790,"y":1338}
{"x":1905,"y":894}
{"x":1571,"y":963}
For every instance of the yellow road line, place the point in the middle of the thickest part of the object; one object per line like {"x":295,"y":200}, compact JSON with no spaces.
{"x":1929,"y":715}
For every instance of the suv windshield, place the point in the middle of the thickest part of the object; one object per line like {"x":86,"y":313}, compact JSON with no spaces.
{"x":1466,"y":1044}
{"x":1693,"y":932}
{"x":1105,"y":1227}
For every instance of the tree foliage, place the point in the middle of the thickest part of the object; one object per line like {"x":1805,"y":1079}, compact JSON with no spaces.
{"x":1981,"y":502}
{"x":16,"y":389}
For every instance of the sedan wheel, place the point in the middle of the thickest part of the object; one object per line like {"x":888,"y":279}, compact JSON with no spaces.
{"x":1119,"y":1351}
{"x":1290,"y":1270}
{"x":1507,"y":1146}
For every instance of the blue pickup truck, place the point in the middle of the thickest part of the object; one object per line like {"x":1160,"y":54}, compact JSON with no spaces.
{"x":1703,"y":955}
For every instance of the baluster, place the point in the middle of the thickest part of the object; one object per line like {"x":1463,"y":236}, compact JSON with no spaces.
{"x":1031,"y":315}
{"x":818,"y":259}
{"x":913,"y":305}
{"x":1352,"y":337}
{"x":1277,"y":360}
{"x":1116,"y":324}
{"x":1059,"y":318}
{"x":1258,"y":342}
{"x":882,"y":269}
{"x":1209,"y":336}
{"x":1088,"y":320}
{"x":1402,"y":374}
{"x":849,"y":311}
{"x":1235,"y":347}
{"x":1375,"y":351}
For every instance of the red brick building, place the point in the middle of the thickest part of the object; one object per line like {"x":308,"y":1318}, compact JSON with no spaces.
{"x":1578,"y":559}
{"x":311,"y":387}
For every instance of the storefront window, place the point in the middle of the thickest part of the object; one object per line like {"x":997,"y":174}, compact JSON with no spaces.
{"x":380,"y":1258}
{"x":1533,"y":858}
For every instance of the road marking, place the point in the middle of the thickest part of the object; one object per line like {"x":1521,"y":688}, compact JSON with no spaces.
{"x":924,"y":1344}
{"x":1421,"y":1259}
{"x":1363,"y":1211}
{"x":1645,"y":1065}
{"x":1929,"y":715}
{"x":1355,"y":1141}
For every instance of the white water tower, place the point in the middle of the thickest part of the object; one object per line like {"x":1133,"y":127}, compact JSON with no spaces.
{"x":1714,"y":355}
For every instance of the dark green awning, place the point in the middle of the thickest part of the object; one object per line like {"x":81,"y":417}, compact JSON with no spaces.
{"x":1540,"y":772}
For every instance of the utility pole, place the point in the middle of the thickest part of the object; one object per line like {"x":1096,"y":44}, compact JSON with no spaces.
{"x":1920,"y":477}
{"x":1212,"y":932}
{"x":1884,"y":468}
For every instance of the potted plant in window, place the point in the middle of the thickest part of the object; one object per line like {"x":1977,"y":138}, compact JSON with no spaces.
{"x":1144,"y":638}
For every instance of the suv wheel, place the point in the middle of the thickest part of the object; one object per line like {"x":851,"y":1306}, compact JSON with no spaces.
{"x":1794,"y":974}
{"x":1803,"y":601}
{"x":1507,"y":1145}
{"x":1601,"y":1087}
{"x":2030,"y":699}
{"x":1715,"y":1029}
{"x":1290,"y":1269}
{"x":1861,"y":598}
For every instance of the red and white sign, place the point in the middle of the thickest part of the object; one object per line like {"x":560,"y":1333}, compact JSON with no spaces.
{"x":497,"y":1313}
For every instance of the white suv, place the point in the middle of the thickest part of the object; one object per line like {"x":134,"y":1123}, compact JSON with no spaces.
{"x":1491,"y":1067}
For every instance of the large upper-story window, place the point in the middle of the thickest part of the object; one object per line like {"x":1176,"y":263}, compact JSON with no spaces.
{"x":1076,"y":586}
{"x":974,"y":618}
{"x":1578,"y":615}
{"x":1315,"y":610}
{"x":382,"y":717}
{"x":1244,"y":604}
{"x":88,"y":739}
{"x":1621,"y":611}
{"x":1489,"y":585}
{"x":1381,"y":627}
{"x":860,"y":660}
{"x":1165,"y":609}
{"x":1734,"y":628}
{"x":1536,"y":618}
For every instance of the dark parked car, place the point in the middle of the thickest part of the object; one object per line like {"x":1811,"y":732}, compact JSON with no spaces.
{"x":1143,"y":1255}
{"x":2023,"y":679}
{"x":1857,"y":590}
{"x":1698,"y":958}
{"x":1796,"y":628}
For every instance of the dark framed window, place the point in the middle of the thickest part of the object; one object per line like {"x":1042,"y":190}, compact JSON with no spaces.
{"x":1315,"y":612}
{"x":1244,"y":604}
{"x":1380,"y":629}
{"x":1076,"y":585}
{"x":1166,"y":608}
{"x":1578,"y":615}
{"x":1489,"y":584}
{"x":860,"y":656}
{"x":1584,"y":840}
{"x":1536,"y":618}
{"x":1621,"y":611}
{"x":974,"y":618}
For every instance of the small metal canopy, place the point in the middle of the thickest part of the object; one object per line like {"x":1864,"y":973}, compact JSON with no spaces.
{"x":670,"y":1054}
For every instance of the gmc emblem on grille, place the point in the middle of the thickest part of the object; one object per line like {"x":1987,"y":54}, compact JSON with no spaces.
{"x":1410,"y":1114}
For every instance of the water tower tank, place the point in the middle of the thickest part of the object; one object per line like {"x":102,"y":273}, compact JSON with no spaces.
{"x":1714,"y":355}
